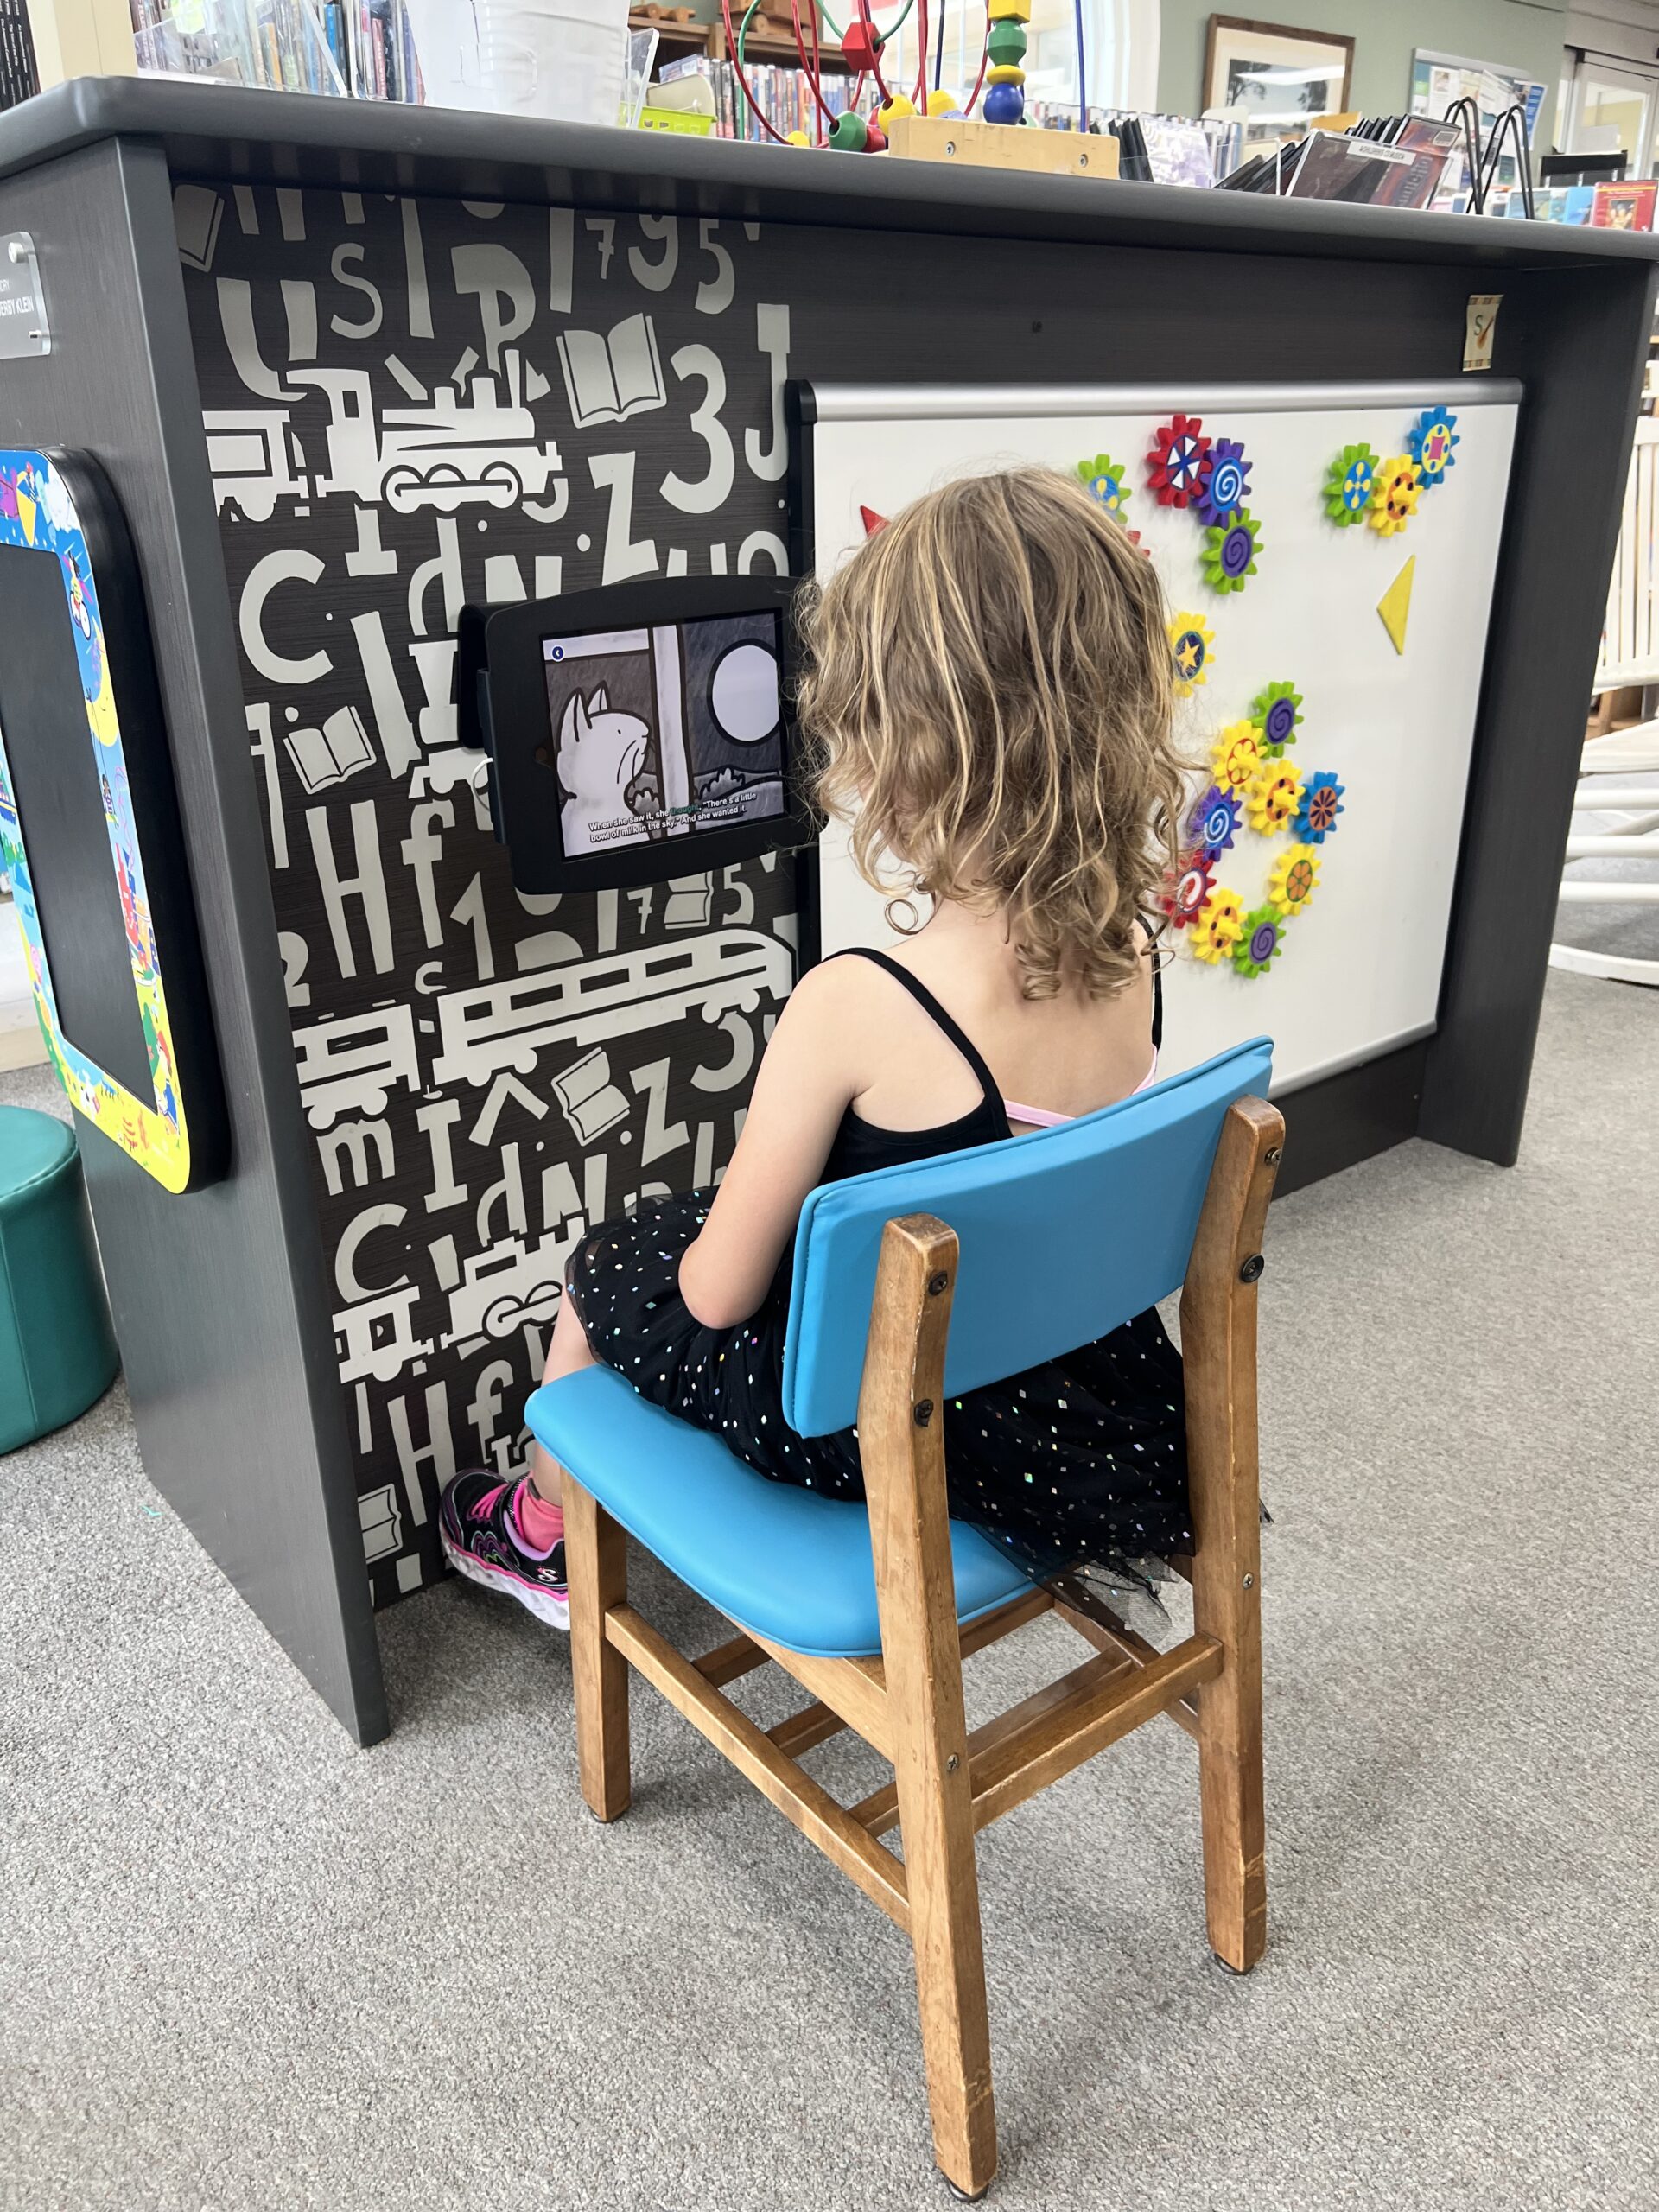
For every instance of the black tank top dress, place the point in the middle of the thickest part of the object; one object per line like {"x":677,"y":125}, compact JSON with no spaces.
{"x":1078,"y":1466}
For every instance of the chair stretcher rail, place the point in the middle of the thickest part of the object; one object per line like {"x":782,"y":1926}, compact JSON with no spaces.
{"x":1058,"y":1727}
{"x":791,"y":1788}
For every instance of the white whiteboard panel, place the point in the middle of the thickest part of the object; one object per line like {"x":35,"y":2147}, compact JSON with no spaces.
{"x":1360,"y":967}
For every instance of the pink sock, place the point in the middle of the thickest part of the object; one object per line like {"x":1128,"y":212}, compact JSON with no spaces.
{"x":539,"y":1525}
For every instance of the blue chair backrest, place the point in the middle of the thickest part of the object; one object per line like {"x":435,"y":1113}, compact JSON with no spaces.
{"x":1063,"y":1234}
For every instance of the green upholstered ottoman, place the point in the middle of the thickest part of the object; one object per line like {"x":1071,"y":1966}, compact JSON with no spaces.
{"x":57,"y":1350}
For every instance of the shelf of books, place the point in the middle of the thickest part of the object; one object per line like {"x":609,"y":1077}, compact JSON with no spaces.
{"x":363,"y":49}
{"x":783,"y":94}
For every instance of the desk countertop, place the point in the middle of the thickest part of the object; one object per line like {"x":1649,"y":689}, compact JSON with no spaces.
{"x":297,"y":138}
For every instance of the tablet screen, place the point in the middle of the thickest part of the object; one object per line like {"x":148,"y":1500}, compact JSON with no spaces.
{"x":666,"y":732}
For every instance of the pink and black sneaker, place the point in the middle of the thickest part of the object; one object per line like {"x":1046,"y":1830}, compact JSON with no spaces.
{"x":482,"y":1540}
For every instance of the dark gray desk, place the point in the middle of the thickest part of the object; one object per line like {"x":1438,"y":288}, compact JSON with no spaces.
{"x":312,"y":1344}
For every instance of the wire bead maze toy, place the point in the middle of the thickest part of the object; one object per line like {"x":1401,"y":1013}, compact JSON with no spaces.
{"x":1001,"y":73}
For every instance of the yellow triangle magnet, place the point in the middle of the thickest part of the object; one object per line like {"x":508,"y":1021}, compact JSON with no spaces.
{"x":1395,"y":606}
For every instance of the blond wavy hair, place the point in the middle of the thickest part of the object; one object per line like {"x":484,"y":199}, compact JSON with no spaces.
{"x":990,"y":701}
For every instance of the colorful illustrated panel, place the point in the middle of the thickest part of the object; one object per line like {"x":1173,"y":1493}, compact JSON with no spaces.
{"x":118,"y":1064}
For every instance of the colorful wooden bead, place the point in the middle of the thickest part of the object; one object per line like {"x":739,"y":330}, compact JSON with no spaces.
{"x":847,"y":134}
{"x":1006,"y":42}
{"x":1004,"y":103}
{"x":862,"y":45}
{"x":940,"y":102}
{"x":898,"y":106}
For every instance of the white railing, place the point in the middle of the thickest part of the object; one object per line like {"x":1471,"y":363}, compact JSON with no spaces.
{"x":1630,"y":642}
{"x":1626,"y":823}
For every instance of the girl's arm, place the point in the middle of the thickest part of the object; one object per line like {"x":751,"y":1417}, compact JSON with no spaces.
{"x":810,"y":1074}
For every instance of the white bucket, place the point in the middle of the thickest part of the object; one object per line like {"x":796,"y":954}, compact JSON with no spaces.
{"x":560,"y":59}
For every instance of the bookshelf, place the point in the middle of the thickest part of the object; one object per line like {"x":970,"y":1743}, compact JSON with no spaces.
{"x":363,"y":47}
{"x":776,"y":48}
{"x":368,"y":41}
{"x":674,"y":40}
{"x":765,"y":44}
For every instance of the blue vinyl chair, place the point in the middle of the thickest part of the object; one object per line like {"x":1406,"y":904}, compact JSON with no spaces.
{"x":910,"y":1284}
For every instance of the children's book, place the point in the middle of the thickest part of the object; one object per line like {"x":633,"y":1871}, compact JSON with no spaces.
{"x":1625,"y":206}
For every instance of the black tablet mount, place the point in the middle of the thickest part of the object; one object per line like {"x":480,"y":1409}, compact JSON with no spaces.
{"x":639,"y":733}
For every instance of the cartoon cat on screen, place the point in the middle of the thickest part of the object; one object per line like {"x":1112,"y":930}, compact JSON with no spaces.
{"x":601,"y":756}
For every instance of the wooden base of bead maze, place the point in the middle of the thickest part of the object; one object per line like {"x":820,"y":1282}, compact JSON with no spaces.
{"x":998,"y":146}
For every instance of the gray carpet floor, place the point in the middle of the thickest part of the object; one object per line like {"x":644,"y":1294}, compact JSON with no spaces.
{"x":243,"y":1965}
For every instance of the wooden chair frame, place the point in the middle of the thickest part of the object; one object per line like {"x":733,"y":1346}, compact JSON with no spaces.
{"x":946,"y":1783}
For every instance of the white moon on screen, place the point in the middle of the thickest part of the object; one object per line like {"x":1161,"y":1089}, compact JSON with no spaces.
{"x":744,"y":694}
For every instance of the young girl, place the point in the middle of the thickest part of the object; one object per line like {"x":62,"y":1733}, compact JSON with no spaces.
{"x":990,"y":699}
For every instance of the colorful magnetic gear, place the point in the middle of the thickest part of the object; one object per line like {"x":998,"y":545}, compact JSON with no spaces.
{"x":1191,"y":641}
{"x":1219,"y":927}
{"x":1236,"y":756}
{"x":1175,"y":465}
{"x":1260,"y":940}
{"x":1394,"y":495}
{"x":1429,"y":441}
{"x":1349,"y":484}
{"x":1294,"y":878}
{"x":1105,"y":480}
{"x":1188,"y":894}
{"x":1316,"y":817}
{"x":1224,"y":481}
{"x":1276,"y":713}
{"x":1272,"y":798}
{"x":1215,"y":821}
{"x":1230,"y":551}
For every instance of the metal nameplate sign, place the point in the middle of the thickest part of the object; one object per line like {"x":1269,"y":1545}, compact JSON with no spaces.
{"x":23,"y":331}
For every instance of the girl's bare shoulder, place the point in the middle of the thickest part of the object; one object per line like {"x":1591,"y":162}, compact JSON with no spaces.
{"x":833,"y":1003}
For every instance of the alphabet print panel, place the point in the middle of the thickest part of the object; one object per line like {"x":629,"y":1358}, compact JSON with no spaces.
{"x":411,"y":404}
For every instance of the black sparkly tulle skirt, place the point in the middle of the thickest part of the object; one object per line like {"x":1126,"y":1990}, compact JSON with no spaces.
{"x":1077,"y":1467}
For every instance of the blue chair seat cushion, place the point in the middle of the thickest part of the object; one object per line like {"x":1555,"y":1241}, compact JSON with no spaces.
{"x":777,"y":1559}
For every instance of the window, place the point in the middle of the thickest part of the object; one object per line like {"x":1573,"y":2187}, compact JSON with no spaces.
{"x":1119,"y":52}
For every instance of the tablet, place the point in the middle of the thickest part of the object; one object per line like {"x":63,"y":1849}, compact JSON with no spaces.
{"x":641,"y":732}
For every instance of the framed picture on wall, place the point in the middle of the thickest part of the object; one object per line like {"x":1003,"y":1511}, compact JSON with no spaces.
{"x":1276,"y":74}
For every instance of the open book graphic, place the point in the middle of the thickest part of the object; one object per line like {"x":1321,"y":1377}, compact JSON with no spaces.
{"x":591,"y":1101}
{"x":328,"y":755}
{"x":608,"y":379}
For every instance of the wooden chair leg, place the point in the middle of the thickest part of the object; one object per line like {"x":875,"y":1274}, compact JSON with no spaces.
{"x":937,"y":1822}
{"x":1218,"y":1346}
{"x":1226,"y":1604}
{"x":902,"y":1446}
{"x":596,"y":1571}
